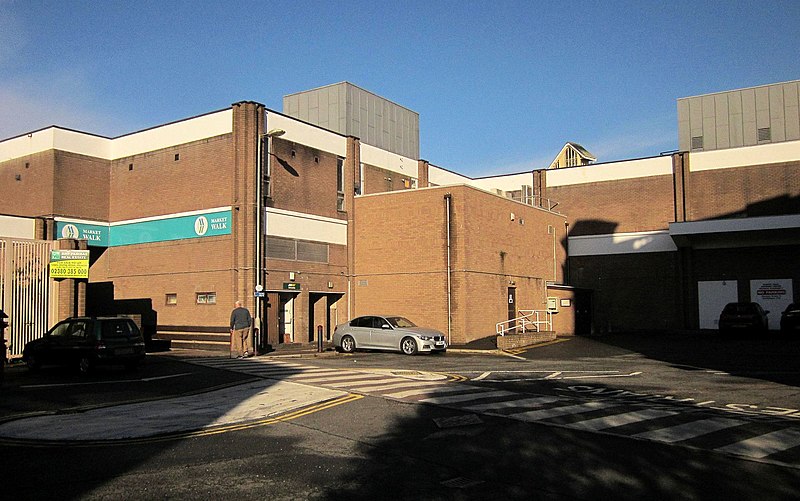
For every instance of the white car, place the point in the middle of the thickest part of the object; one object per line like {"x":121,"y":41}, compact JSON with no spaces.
{"x":393,"y":333}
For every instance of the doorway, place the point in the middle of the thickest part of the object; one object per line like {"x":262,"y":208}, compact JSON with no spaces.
{"x":280,"y":317}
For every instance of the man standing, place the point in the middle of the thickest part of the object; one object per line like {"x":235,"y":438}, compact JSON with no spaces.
{"x":241,"y":321}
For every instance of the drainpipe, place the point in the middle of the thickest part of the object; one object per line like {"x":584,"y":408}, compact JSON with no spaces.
{"x":447,"y":199}
{"x":567,"y":278}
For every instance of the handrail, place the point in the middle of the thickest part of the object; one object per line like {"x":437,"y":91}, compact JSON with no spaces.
{"x":528,"y":318}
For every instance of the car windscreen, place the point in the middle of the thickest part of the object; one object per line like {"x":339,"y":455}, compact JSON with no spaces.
{"x":400,"y":322}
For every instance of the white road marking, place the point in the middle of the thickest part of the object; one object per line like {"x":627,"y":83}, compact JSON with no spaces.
{"x":764,"y":445}
{"x":615,"y":420}
{"x":525,"y":403}
{"x":562,"y":411}
{"x":466,"y":398}
{"x":426,"y":391}
{"x":689,"y":430}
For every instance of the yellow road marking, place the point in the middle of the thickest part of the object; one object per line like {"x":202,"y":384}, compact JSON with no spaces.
{"x":350,"y":397}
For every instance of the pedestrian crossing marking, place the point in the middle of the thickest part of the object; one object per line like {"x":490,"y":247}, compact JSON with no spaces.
{"x":764,"y":445}
{"x":424,"y":391}
{"x":395,"y":385}
{"x":519,"y":403}
{"x":689,"y":430}
{"x":522,"y":407}
{"x":615,"y":420}
{"x":466,"y":398}
{"x":563,"y":410}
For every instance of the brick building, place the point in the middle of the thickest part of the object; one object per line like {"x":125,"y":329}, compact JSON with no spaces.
{"x":179,"y":227}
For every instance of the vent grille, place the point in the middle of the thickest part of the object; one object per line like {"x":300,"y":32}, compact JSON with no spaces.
{"x":764,"y":134}
{"x":697,"y":142}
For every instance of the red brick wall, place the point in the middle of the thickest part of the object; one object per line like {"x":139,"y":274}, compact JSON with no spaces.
{"x":377,"y":180}
{"x":304,"y":179}
{"x":760,"y":190}
{"x":56,"y":183}
{"x":627,"y":205}
{"x":32,"y":195}
{"x":401,"y":257}
{"x":157,"y":184}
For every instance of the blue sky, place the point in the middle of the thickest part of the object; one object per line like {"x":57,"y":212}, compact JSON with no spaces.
{"x":500,"y":86}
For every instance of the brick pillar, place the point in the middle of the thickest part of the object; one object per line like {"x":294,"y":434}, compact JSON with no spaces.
{"x":422,"y":174}
{"x":248,"y":122}
{"x":539,"y":186}
{"x":352,"y":167}
{"x":680,"y":176}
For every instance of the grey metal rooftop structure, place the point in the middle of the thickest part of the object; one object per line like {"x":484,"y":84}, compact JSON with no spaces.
{"x":353,"y":111}
{"x":743,"y":117}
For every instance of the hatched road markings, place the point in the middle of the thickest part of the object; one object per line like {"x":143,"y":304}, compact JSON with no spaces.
{"x":776,"y":440}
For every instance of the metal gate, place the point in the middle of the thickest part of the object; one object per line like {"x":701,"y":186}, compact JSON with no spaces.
{"x":24,"y":290}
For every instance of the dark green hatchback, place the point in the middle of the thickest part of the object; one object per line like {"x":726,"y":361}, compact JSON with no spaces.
{"x":86,"y":342}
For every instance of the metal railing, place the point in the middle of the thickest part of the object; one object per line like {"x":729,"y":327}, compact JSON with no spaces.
{"x":529,"y":320}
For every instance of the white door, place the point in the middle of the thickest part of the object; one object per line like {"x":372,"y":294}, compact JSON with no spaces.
{"x":712,"y":297}
{"x":287,"y":318}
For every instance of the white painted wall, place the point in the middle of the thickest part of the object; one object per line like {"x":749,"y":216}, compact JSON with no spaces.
{"x":595,"y":173}
{"x":621,"y":243}
{"x":441,"y":177}
{"x":17,"y":227}
{"x":511,"y":182}
{"x":306,"y":134}
{"x":289,"y":224}
{"x":741,"y":157}
{"x":54,"y":138}
{"x":390,"y":161}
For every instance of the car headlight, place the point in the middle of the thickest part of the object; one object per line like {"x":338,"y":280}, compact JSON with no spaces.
{"x":426,"y":338}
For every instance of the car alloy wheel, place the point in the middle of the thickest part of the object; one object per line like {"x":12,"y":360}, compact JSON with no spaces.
{"x":348,"y":344}
{"x":408,"y":346}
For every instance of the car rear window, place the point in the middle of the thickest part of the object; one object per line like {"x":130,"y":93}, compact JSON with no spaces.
{"x":740,"y":308}
{"x":119,"y":328}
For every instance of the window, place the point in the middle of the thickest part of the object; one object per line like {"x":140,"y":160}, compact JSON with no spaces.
{"x":206,"y":298}
{"x":340,"y":184}
{"x":171,"y":299}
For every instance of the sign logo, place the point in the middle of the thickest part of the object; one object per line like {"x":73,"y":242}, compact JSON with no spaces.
{"x":70,"y":231}
{"x":201,"y":225}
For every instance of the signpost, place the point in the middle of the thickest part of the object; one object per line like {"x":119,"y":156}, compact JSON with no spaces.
{"x":69,"y":264}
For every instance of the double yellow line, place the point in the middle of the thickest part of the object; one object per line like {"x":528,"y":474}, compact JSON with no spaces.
{"x":305,"y":411}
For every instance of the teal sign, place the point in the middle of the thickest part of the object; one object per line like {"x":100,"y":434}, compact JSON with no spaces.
{"x":209,"y":224}
{"x":95,"y":234}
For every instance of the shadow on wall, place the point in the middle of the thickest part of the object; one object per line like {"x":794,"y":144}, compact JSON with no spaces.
{"x":100,"y":301}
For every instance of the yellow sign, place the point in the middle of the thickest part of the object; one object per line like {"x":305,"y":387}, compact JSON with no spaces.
{"x":69,"y":264}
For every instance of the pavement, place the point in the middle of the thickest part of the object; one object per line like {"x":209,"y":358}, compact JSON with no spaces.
{"x":249,"y":402}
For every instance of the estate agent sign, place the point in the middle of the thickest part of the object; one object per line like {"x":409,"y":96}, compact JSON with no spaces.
{"x":69,"y":264}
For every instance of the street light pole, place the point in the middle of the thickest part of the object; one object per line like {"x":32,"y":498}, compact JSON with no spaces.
{"x":261,"y":208}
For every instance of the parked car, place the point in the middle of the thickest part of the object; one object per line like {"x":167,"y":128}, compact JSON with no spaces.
{"x":743,"y":316}
{"x":790,"y":318}
{"x":387,"y":333}
{"x":85,"y":342}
